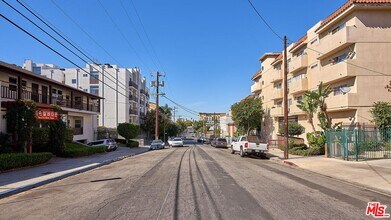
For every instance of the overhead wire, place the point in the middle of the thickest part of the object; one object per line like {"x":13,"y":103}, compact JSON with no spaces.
{"x":55,"y":51}
{"x":51,"y":36}
{"x":123,"y":36}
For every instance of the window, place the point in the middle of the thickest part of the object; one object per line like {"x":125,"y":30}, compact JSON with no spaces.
{"x":13,"y":84}
{"x":278,"y":86}
{"x":94,"y":90}
{"x":279,"y":104}
{"x":37,"y":70}
{"x":314,"y":40}
{"x":299,"y":98}
{"x":85,"y":75}
{"x":301,"y":52}
{"x":339,"y":58}
{"x":314,"y":65}
{"x":338,"y":89}
{"x":85,"y":90}
{"x":336,"y":29}
{"x":73,"y":81}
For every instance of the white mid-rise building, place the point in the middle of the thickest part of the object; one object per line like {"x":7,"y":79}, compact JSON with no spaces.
{"x":124,"y":90}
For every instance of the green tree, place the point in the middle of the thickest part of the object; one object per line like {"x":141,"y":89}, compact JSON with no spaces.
{"x":166,"y":110}
{"x":198,"y":126}
{"x":128,"y":130}
{"x":381,"y":114}
{"x":247,"y":114}
{"x":294,"y":129}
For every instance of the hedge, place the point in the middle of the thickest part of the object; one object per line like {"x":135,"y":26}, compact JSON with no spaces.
{"x":131,"y":144}
{"x":12,"y":161}
{"x":78,"y":150}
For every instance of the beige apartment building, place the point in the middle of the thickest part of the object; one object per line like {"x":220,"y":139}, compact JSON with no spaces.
{"x":350,"y":51}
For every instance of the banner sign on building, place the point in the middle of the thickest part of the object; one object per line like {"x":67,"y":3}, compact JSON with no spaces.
{"x":46,"y":114}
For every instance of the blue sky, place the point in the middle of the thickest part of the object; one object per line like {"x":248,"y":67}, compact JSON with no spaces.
{"x":208,"y":49}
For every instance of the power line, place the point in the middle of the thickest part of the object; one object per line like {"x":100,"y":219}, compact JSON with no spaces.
{"x":55,"y":51}
{"x":264,"y":20}
{"x":146,"y":34}
{"x":86,"y":33}
{"x":122,"y":34}
{"x":183,"y":107}
{"x":51,"y":36}
{"x":138,"y":34}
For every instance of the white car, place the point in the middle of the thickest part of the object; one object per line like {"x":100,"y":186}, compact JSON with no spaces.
{"x":156,"y":144}
{"x":176,"y":142}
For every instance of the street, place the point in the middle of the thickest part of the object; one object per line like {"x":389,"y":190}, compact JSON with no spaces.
{"x":196,"y":182}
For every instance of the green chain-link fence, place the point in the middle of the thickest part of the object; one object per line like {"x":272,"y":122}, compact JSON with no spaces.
{"x":359,"y":144}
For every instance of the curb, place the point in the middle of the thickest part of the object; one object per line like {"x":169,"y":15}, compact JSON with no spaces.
{"x":14,"y":191}
{"x":362,"y":186}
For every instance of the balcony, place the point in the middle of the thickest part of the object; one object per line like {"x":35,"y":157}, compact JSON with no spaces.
{"x":133,"y":112}
{"x":298,"y":86}
{"x":334,"y":42}
{"x":277,"y":76}
{"x":142,"y":91}
{"x":339,"y":71}
{"x":343,"y":102}
{"x":276,"y":111}
{"x":60,"y":100}
{"x":256,"y":87}
{"x":294,"y":110}
{"x":133,"y":84}
{"x":133,"y":98}
{"x":298,"y":63}
{"x":277,"y":94}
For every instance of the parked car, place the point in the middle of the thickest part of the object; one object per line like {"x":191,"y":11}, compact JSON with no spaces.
{"x":219,"y":142}
{"x":110,"y":144}
{"x":176,"y":142}
{"x":157,"y":144}
{"x":249,"y":145}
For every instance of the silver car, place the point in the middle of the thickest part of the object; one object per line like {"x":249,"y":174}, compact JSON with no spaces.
{"x":110,"y":144}
{"x":156,"y":144}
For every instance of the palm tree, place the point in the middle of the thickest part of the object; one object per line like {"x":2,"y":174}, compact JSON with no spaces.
{"x":309,"y":106}
{"x":166,"y":110}
{"x":320,"y":96}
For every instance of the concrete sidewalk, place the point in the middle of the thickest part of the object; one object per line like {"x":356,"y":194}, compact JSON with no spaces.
{"x":57,"y":168}
{"x":374,"y":174}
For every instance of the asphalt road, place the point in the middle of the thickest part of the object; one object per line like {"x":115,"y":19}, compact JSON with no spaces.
{"x":197,"y":182}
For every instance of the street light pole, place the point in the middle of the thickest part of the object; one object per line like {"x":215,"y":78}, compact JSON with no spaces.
{"x":157,"y":84}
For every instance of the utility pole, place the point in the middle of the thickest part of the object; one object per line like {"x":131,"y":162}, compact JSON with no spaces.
{"x":103,"y":95}
{"x":286,"y":152}
{"x":157,"y":84}
{"x":174,"y":112}
{"x":116,"y":96}
{"x":214,"y":124}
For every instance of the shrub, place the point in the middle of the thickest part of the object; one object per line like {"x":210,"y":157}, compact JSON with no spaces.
{"x":12,"y":161}
{"x":132,"y":144}
{"x":298,"y":146}
{"x":307,"y":152}
{"x":78,"y":150}
{"x":69,"y":135}
{"x":294,"y":129}
{"x":3,"y":138}
{"x":40,"y":139}
{"x":57,"y":131}
{"x":371,"y":146}
{"x":128,"y":130}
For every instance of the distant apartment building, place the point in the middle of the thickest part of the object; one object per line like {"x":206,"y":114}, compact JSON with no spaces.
{"x":227,"y":126}
{"x":79,"y":109}
{"x":211,"y":118}
{"x":350,"y":51}
{"x":125,"y":91}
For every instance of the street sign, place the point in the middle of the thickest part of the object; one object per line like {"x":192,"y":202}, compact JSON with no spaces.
{"x":46,"y":114}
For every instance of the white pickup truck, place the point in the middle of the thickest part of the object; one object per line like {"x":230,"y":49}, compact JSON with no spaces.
{"x":249,"y":145}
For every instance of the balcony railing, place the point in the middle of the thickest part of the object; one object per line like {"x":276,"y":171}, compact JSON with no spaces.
{"x":133,"y":98}
{"x":256,"y":87}
{"x":142,"y":91}
{"x":335,"y":72}
{"x":276,"y":111}
{"x":294,"y":110}
{"x":298,"y":63}
{"x":277,"y":94}
{"x":8,"y":93}
{"x":344,"y":101}
{"x":133,"y":84}
{"x":277,"y":76}
{"x":93,"y":80}
{"x":133,"y":112}
{"x":297,"y":86}
{"x":333,"y":42}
